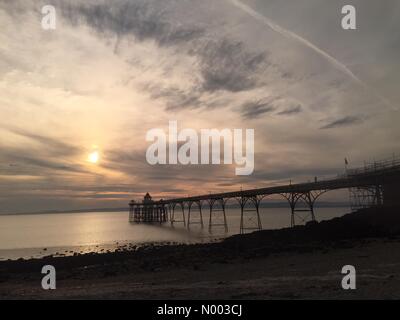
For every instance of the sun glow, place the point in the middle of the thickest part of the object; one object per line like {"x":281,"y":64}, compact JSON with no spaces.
{"x":94,"y":157}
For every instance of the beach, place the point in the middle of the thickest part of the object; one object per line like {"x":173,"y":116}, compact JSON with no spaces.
{"x":300,"y":263}
{"x":286,"y":275}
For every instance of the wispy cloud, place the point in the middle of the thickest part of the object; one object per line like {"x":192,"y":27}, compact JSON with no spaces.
{"x":255,"y":109}
{"x":291,"y":111}
{"x":130,"y":18}
{"x":343,"y":122}
{"x":227,"y":65}
{"x":50,"y":144}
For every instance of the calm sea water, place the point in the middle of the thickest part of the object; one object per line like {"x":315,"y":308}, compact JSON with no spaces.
{"x":27,"y":236}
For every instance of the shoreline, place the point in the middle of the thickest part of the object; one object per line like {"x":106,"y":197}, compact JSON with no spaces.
{"x":26,"y":254}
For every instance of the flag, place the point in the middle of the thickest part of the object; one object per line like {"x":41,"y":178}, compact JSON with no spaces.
{"x":346,"y":162}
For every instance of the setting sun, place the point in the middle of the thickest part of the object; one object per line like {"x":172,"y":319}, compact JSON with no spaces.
{"x":94,"y":157}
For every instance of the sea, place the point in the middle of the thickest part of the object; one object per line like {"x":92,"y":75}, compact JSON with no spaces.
{"x":62,"y":234}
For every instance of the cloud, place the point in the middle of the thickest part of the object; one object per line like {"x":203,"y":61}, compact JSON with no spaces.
{"x":48,"y":156}
{"x":221,"y":62}
{"x":291,"y":110}
{"x":176,"y":98}
{"x":52,"y":145}
{"x":343,"y":122}
{"x":128,"y":18}
{"x":36,"y":162}
{"x":134,"y":163}
{"x":227,"y":65}
{"x":23,"y":162}
{"x":254,"y":109}
{"x":290,"y":173}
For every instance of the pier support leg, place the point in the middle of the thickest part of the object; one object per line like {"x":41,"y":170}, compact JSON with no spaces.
{"x":182,"y":205}
{"x":241,"y":216}
{"x":170,"y":212}
{"x":189,"y":212}
{"x":199,"y":205}
{"x":131,"y":212}
{"x":183,"y":214}
{"x":173,"y":214}
{"x":223,"y":210}
{"x":310,"y":202}
{"x":308,"y":198}
{"x":256,"y":225}
{"x":201,"y":216}
{"x":378,"y":196}
{"x":292,"y":199}
{"x":212,"y":203}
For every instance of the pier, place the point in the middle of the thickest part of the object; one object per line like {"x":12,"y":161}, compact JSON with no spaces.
{"x":376,"y":184}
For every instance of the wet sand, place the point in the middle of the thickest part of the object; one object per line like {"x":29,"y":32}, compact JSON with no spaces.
{"x":299,"y":263}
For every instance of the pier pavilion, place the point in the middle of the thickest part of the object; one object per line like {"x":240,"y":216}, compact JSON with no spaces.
{"x":148,"y":211}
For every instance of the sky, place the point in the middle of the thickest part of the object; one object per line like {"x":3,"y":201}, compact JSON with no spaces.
{"x":112,"y":70}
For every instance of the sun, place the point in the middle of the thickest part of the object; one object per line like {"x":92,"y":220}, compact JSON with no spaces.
{"x":94,"y":157}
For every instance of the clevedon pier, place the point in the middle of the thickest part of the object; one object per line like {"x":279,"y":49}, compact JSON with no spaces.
{"x":376,"y":184}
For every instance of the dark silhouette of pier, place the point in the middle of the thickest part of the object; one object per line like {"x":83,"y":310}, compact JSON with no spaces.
{"x":377,"y":184}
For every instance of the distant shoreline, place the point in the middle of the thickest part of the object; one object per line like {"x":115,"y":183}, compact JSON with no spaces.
{"x":66,"y":211}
